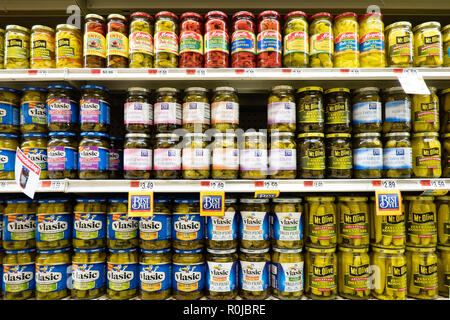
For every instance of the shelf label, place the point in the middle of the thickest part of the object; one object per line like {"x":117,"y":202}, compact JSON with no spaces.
{"x":26,"y":173}
{"x":140,"y":204}
{"x":196,"y":72}
{"x":142,"y":185}
{"x":388,"y":203}
{"x":386,"y":184}
{"x":3,"y":185}
{"x":41,"y":73}
{"x":412,"y":82}
{"x":438,"y":183}
{"x":286,"y":70}
{"x":247,"y":71}
{"x":267,"y":189}
{"x":351,"y":72}
{"x":313,"y":183}
{"x":152,"y":71}
{"x":214,"y":185}
{"x":162,"y":72}
{"x":212,"y":203}
{"x":54,"y":185}
{"x":267,"y":194}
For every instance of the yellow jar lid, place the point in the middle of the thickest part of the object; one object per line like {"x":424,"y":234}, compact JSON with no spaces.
{"x":41,"y":27}
{"x":67,"y":26}
{"x":430,"y":24}
{"x":2,"y":30}
{"x":310,"y":89}
{"x":338,"y":135}
{"x":443,"y":198}
{"x":445,"y":91}
{"x":321,"y":250}
{"x":420,"y":249}
{"x":447,"y":135}
{"x":310,"y":134}
{"x":426,"y":134}
{"x":318,"y":198}
{"x":337,"y":90}
{"x":422,"y":198}
{"x":355,"y":250}
{"x":350,"y":198}
{"x":446,"y":28}
{"x":398,"y":25}
{"x":17,"y":27}
{"x":387,"y":250}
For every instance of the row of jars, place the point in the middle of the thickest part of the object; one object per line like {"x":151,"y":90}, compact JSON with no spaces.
{"x":386,"y":274}
{"x":266,"y":42}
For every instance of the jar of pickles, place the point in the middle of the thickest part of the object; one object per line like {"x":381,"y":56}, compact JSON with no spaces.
{"x":354,"y":273}
{"x":445,"y":113}
{"x":269,"y":40}
{"x":167,"y":156}
{"x":320,"y":222}
{"x":155,"y":274}
{"x":69,"y":50}
{"x":353,"y":219}
{"x":446,"y":45}
{"x":42,"y":55}
{"x":19,"y":282}
{"x":94,"y":108}
{"x":366,"y":109}
{"x":9,"y":110}
{"x":428,"y":45}
{"x":137,"y":156}
{"x":166,"y":40}
{"x":243,"y":40}
{"x":443,"y":220}
{"x":155,"y":232}
{"x":421,"y":221}
{"x":287,"y":223}
{"x":371,"y":41}
{"x":426,"y":153}
{"x":138,"y":113}
{"x":33,"y":111}
{"x":216,"y":40}
{"x":443,"y":270}
{"x":8,"y":147}
{"x":338,"y":110}
{"x":89,"y":224}
{"x":94,"y":54}
{"x":19,"y":224}
{"x":367,"y":156}
{"x":196,"y":157}
{"x":311,"y":156}
{"x":167,"y":110}
{"x":254,"y":274}
{"x":62,"y":155}
{"x":2,"y":54}
{"x":397,"y":110}
{"x":116,"y":158}
{"x":191,"y":40}
{"x":62,"y":108}
{"x":253,"y":156}
{"x":188,"y":227}
{"x":123,"y":274}
{"x":321,"y":40}
{"x":225,"y":109}
{"x":254,"y":224}
{"x":196,"y":110}
{"x":339,"y":157}
{"x":17,"y":47}
{"x":310,"y":111}
{"x":346,"y":40}
{"x":88,"y":273}
{"x":54,"y":224}
{"x":283,"y":156}
{"x":397,"y":155}
{"x":117,"y":41}
{"x":296,"y":40}
{"x":141,"y":40}
{"x":221,"y":231}
{"x":422,"y":265}
{"x":225,"y":156}
{"x":321,"y":269}
{"x":188,"y":276}
{"x":425,"y":112}
{"x":399,"y":45}
{"x":281,"y":109}
{"x":287,"y":273}
{"x":122,"y":229}
{"x":34,"y":146}
{"x":93,"y":156}
{"x":221,"y":274}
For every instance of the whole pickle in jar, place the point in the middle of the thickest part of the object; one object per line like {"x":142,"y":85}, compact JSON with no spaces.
{"x":354,"y":280}
{"x":89,"y":211}
{"x":422,"y":272}
{"x":85,"y":261}
{"x":54,"y":224}
{"x":320,"y":222}
{"x":353,"y":219}
{"x":321,"y":269}
{"x":120,"y":262}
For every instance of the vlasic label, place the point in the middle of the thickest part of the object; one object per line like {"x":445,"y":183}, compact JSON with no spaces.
{"x":196,"y":112}
{"x":281,"y":112}
{"x":9,"y":114}
{"x":322,"y":278}
{"x":155,"y":277}
{"x":225,"y":159}
{"x":196,"y":159}
{"x":117,"y":44}
{"x":137,"y":159}
{"x":340,"y":159}
{"x":426,"y":277}
{"x":287,"y":277}
{"x":122,"y":277}
{"x":216,"y":40}
{"x":141,"y":42}
{"x":93,"y":158}
{"x":52,"y":278}
{"x":122,"y":227}
{"x":269,"y":40}
{"x":403,"y":44}
{"x":138,"y":113}
{"x":393,"y":226}
{"x":356,"y":277}
{"x":191,"y":41}
{"x":254,"y":276}
{"x":397,"y":158}
{"x":367,"y":112}
{"x":282,"y":159}
{"x":396,"y":278}
{"x":167,"y":159}
{"x":188,"y":227}
{"x":89,"y":226}
{"x":371,"y":42}
{"x":253,"y":225}
{"x":18,"y":278}
{"x":222,"y":228}
{"x":221,"y":276}
{"x":287,"y":226}
{"x":297,"y":41}
{"x":54,"y":227}
{"x":94,"y":111}
{"x":156,"y":228}
{"x":432,"y":44}
{"x":225,"y":112}
{"x":167,"y":113}
{"x":310,"y":112}
{"x":19,"y":227}
{"x":253,"y":159}
{"x":188,"y":277}
{"x":321,"y":43}
{"x":397,"y":111}
{"x":313,"y":159}
{"x":322,"y":227}
{"x":88,"y":276}
{"x":7,"y":160}
{"x":368,"y":158}
{"x":62,"y":111}
{"x":33,"y":113}
{"x":115,"y":159}
{"x":94,"y":44}
{"x":422,"y":224}
{"x":346,"y":42}
{"x":166,"y":41}
{"x":354,"y":225}
{"x":337,"y":113}
{"x":243,"y":40}
{"x":60,"y":158}
{"x":39,"y":156}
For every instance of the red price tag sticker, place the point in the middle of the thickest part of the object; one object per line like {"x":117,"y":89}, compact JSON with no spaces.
{"x":142,"y":185}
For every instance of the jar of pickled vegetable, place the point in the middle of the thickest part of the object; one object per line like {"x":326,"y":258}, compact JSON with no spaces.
{"x":137,"y":156}
{"x":443,"y":270}
{"x":117,"y":41}
{"x":399,"y":45}
{"x":155,"y":232}
{"x":8,"y":147}
{"x":243,"y":40}
{"x":53,"y":268}
{"x":17,"y":43}
{"x":93,"y":156}
{"x":321,"y":40}
{"x":366,"y":109}
{"x":166,"y":40}
{"x":94,"y":54}
{"x":320,"y":222}
{"x":296,"y":40}
{"x":34,"y":146}
{"x":445,"y":114}
{"x":155,"y":274}
{"x":397,"y":110}
{"x":426,"y":153}
{"x":397,"y":155}
{"x":371,"y":40}
{"x":2,"y":55}
{"x":69,"y":50}
{"x":138,"y":112}
{"x":254,"y":228}
{"x":221,"y":274}
{"x":311,"y":156}
{"x":188,"y":227}
{"x":18,"y":274}
{"x":196,"y":157}
{"x":443,"y":220}
{"x":421,"y":221}
{"x":283,"y":156}
{"x":321,"y":273}
{"x":9,"y":110}
{"x":254,"y":274}
{"x":62,"y":108}
{"x":89,"y":224}
{"x":367,"y":156}
{"x":62,"y":155}
{"x":269,"y":40}
{"x":42,"y":54}
{"x":2,"y":211}
{"x":310,"y":111}
{"x":225,"y":156}
{"x":353,"y":218}
{"x":287,"y":223}
{"x":216,"y":40}
{"x":123,"y":274}
{"x":225,"y":109}
{"x":54,"y":224}
{"x":253,"y":163}
{"x":122,"y":230}
{"x":167,"y":156}
{"x":339,"y":157}
{"x":94,"y":108}
{"x":354,"y":273}
{"x":19,"y":224}
{"x":346,"y":40}
{"x":281,"y":109}
{"x":141,"y":40}
{"x":196,"y":110}
{"x":88,"y":273}
{"x":422,"y":265}
{"x":191,"y":40}
{"x":287,"y":273}
{"x":446,"y":45}
{"x":428,"y":45}
{"x":167,"y":110}
{"x":221,"y":232}
{"x":425,"y":112}
{"x":33,"y":111}
{"x":337,"y":110}
{"x":188,"y":276}
{"x":116,"y":158}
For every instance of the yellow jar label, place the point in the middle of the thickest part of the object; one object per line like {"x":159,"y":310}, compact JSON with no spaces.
{"x":310,"y":112}
{"x":313,"y":159}
{"x":428,"y":113}
{"x":356,"y":277}
{"x":430,"y":158}
{"x":94,"y":44}
{"x":42,"y":48}
{"x":337,"y":113}
{"x":422,"y":224}
{"x":68,"y":48}
{"x":117,"y":44}
{"x":16,"y":48}
{"x":393,"y":226}
{"x":321,"y":43}
{"x":401,"y":45}
{"x":426,"y":277}
{"x":396,"y":278}
{"x":322,"y":227}
{"x":431,"y":44}
{"x":340,"y":159}
{"x":354,"y":225}
{"x":296,"y":42}
{"x":322,"y":278}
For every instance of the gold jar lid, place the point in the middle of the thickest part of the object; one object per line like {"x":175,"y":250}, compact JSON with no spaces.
{"x":17,"y":27}
{"x":338,"y":135}
{"x":337,"y":90}
{"x":282,"y":88}
{"x":400,"y":24}
{"x":354,"y":250}
{"x":388,"y":250}
{"x":304,"y":89}
{"x":351,"y":198}
{"x":321,"y":250}
{"x":421,"y":249}
{"x":41,"y":27}
{"x":421,"y":198}
{"x":320,"y":198}
{"x":94,"y":16}
{"x":310,"y":135}
{"x":167,"y":89}
{"x":67,"y":26}
{"x":430,"y":24}
{"x":426,"y":134}
{"x":116,"y":16}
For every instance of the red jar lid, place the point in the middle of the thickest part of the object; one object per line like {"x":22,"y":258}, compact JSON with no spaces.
{"x":141,"y":14}
{"x":321,"y":14}
{"x":371,"y":14}
{"x":191,"y":14}
{"x":166,"y":13}
{"x":216,"y":13}
{"x":346,"y":14}
{"x":243,"y":14}
{"x":296,"y":13}
{"x":269,"y":12}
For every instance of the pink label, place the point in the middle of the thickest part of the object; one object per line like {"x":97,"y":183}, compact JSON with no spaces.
{"x":225,"y":159}
{"x":141,"y":42}
{"x":166,"y":41}
{"x":137,"y":159}
{"x":282,"y":159}
{"x":167,"y":112}
{"x":253,"y":159}
{"x":225,"y":112}
{"x":167,"y":159}
{"x":281,"y":112}
{"x":196,"y":112}
{"x":197,"y":159}
{"x":138,"y":112}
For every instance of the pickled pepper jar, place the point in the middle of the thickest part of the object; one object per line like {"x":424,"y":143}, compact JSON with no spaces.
{"x":269,"y":40}
{"x":296,"y":40}
{"x":243,"y":40}
{"x":346,"y":43}
{"x":321,"y":40}
{"x":281,"y":109}
{"x":371,"y":40}
{"x":397,"y":110}
{"x":167,"y":156}
{"x":138,"y":112}
{"x":366,"y":109}
{"x":216,"y":40}
{"x":253,"y":162}
{"x":310,"y":112}
{"x":69,"y":50}
{"x":367,"y":156}
{"x":17,"y":47}
{"x":310,"y":156}
{"x":141,"y":40}
{"x":338,"y":116}
{"x":117,"y":41}
{"x":94,"y":41}
{"x":42,"y":55}
{"x":191,"y":40}
{"x":137,"y":156}
{"x":166,"y":40}
{"x":428,"y":45}
{"x":167,"y":110}
{"x":339,"y":157}
{"x":446,"y":45}
{"x":399,"y":45}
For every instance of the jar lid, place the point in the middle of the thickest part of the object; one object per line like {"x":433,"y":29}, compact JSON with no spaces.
{"x":320,"y":250}
{"x":118,"y":200}
{"x":370,"y":14}
{"x":90,"y":200}
{"x":225,"y":89}
{"x":38,"y":26}
{"x":243,"y":14}
{"x":169,"y":89}
{"x":94,"y":134}
{"x":216,"y":13}
{"x":388,"y":250}
{"x":14,"y":201}
{"x":338,"y":135}
{"x":34,"y":135}
{"x":443,"y":198}
{"x":122,"y":250}
{"x":94,"y":16}
{"x":146,"y":251}
{"x":287,"y":250}
{"x":221,"y":251}
{"x":251,"y":200}
{"x":282,"y":87}
{"x":321,"y":14}
{"x":191,"y":14}
{"x":94,"y":86}
{"x":10,"y":90}
{"x":254,"y":134}
{"x":142,"y":15}
{"x":88,"y":250}
{"x":426,"y":134}
{"x":60,"y":86}
{"x":309,"y":89}
{"x":367,"y":134}
{"x":346,"y":14}
{"x":337,"y":90}
{"x":53,"y":251}
{"x":19,"y":251}
{"x":137,"y":89}
{"x":355,"y":250}
{"x":224,"y":135}
{"x":366,"y":89}
{"x":17,"y":27}
{"x":397,"y":134}
{"x":166,"y":13}
{"x":352,"y":198}
{"x":254,"y":250}
{"x":195,"y":135}
{"x":2,"y":30}
{"x":287,"y":200}
{"x":420,"y":249}
{"x":195,"y":89}
{"x":269,"y":13}
{"x":116,"y":16}
{"x":115,"y":138}
{"x":320,"y":198}
{"x":167,"y":135}
{"x":310,"y":135}
{"x":448,"y":89}
{"x":398,"y":25}
{"x":393,"y":89}
{"x":421,"y":198}
{"x":430,"y":24}
{"x":276,"y":134}
{"x":62,"y":133}
{"x":296,"y":13}
{"x":8,"y":135}
{"x":137,"y":135}
{"x":188,"y":251}
{"x":186,"y":200}
{"x":161,"y":200}
{"x":61,"y":200}
{"x":446,"y":28}
{"x":68,"y":26}
{"x":34,"y":89}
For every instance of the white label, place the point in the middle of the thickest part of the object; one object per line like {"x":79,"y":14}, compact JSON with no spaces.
{"x":138,"y":112}
{"x":398,"y":111}
{"x":196,"y":112}
{"x":225,"y":159}
{"x":196,"y":159}
{"x":167,"y":159}
{"x":26,"y":173}
{"x":367,"y":112}
{"x":253,"y":159}
{"x":412,"y":82}
{"x":281,"y":112}
{"x":282,"y":159}
{"x":137,"y":159}
{"x":291,"y":277}
{"x":219,"y":281}
{"x":253,"y":225}
{"x":286,"y":226}
{"x":225,"y":112}
{"x":368,"y":158}
{"x":252,"y":276}
{"x":397,"y":158}
{"x":222,"y":227}
{"x":167,"y":113}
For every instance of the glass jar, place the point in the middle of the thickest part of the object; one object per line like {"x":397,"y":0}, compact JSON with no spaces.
{"x":337,"y":111}
{"x":34,"y":146}
{"x":33,"y":111}
{"x":281,"y":109}
{"x":19,"y":224}
{"x":287,"y":273}
{"x":269,"y":40}
{"x":117,"y":41}
{"x":367,"y":156}
{"x":225,"y":156}
{"x":216,"y":40}
{"x":397,"y":155}
{"x":354,"y":274}
{"x":19,"y":282}
{"x":122,"y":230}
{"x":443,"y":220}
{"x":2,"y":58}
{"x":42,"y":55}
{"x":287,"y":223}
{"x":254,"y":274}
{"x":17,"y":43}
{"x":2,"y":211}
{"x":221,"y":231}
{"x":353,"y":219}
{"x":93,"y":156}
{"x":123,"y":274}
{"x":243,"y":40}
{"x":195,"y":157}
{"x":167,"y":156}
{"x":94,"y":54}
{"x":137,"y":156}
{"x":366,"y":109}
{"x":89,"y":223}
{"x":397,"y":110}
{"x":311,"y":156}
{"x":8,"y":147}
{"x":339,"y":157}
{"x":446,"y":45}
{"x":196,"y":110}
{"x":166,"y":40}
{"x":421,"y":221}
{"x":426,"y":153}
{"x":321,"y":273}
{"x":69,"y":46}
{"x":428,"y":45}
{"x":422,"y":265}
{"x":253,"y":163}
{"x":167,"y":110}
{"x":155,"y":274}
{"x":445,"y":113}
{"x":321,"y":40}
{"x":191,"y":40}
{"x":9,"y":110}
{"x":94,"y":108}
{"x":283,"y":156}
{"x":296,"y":40}
{"x":155,"y":232}
{"x":188,"y":276}
{"x":443,"y":270}
{"x":62,"y":108}
{"x":320,"y":222}
{"x":221,"y":274}
{"x":310,"y":113}
{"x":399,"y":45}
{"x":88,"y":273}
{"x":371,"y":41}
{"x":138,"y":112}
{"x":425,"y":112}
{"x":254,"y":224}
{"x":225,"y":109}
{"x":346,"y":40}
{"x":116,"y":158}
{"x":141,"y":40}
{"x":53,"y":224}
{"x":188,"y":227}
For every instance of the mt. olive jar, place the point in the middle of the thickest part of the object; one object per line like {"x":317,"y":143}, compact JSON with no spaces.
{"x":196,"y":110}
{"x":310,"y":156}
{"x":167,"y":110}
{"x":138,"y":112}
{"x":426,"y":153}
{"x":339,"y":157}
{"x":338,"y":116}
{"x":425,"y":112}
{"x":310,"y":113}
{"x":281,"y":109}
{"x":137,"y":156}
{"x":366,"y":110}
{"x":428,"y":45}
{"x":399,"y":45}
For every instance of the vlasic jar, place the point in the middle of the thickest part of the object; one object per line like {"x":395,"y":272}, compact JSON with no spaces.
{"x":188,"y":227}
{"x":94,"y":108}
{"x":196,"y":110}
{"x":399,"y":45}
{"x":33,"y":111}
{"x":425,"y":112}
{"x":42,"y":54}
{"x":253,"y":156}
{"x":137,"y":156}
{"x":34,"y":146}
{"x":167,"y":156}
{"x":254,"y":274}
{"x":282,"y":156}
{"x":254,"y":228}
{"x":116,"y":158}
{"x":428,"y":45}
{"x":225,"y":156}
{"x":191,"y":40}
{"x":397,"y":110}
{"x":221,"y":274}
{"x":196,"y":157}
{"x":62,"y":155}
{"x":122,"y":230}
{"x":117,"y":41}
{"x":353,"y":219}
{"x":339,"y":157}
{"x":269,"y":40}
{"x":9,"y":110}
{"x":426,"y":152}
{"x":141,"y":40}
{"x":422,"y":265}
{"x":53,"y":268}
{"x":321,"y":269}
{"x":53,"y":224}
{"x":443,"y":220}
{"x":225,"y":109}
{"x":320,"y":222}
{"x":421,"y":221}
{"x":167,"y":110}
{"x":216,"y":40}
{"x":281,"y":109}
{"x":287,"y":223}
{"x":18,"y":278}
{"x":17,"y":47}
{"x":311,"y":156}
{"x":123,"y":274}
{"x":138,"y":112}
{"x":19,"y":224}
{"x":94,"y":54}
{"x":346,"y":40}
{"x":371,"y":41}
{"x":338,"y":116}
{"x":397,"y":155}
{"x":321,"y":40}
{"x":367,"y":115}
{"x":390,"y":269}
{"x":2,"y":211}
{"x":69,"y":46}
{"x":93,"y":156}
{"x":310,"y":111}
{"x":166,"y":40}
{"x":88,"y":273}
{"x":62,"y":108}
{"x":222,"y":232}
{"x":443,"y":270}
{"x":243,"y":40}
{"x":155,"y":274}
{"x":8,"y":147}
{"x":354,"y":273}
{"x":155,"y":232}
{"x":89,"y":223}
{"x":287,"y":273}
{"x":296,"y":40}
{"x":367,"y":156}
{"x":188,"y":276}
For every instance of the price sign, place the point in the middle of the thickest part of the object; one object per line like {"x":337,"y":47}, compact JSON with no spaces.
{"x":388,"y":203}
{"x":162,"y":72}
{"x":412,"y":82}
{"x":40,"y":73}
{"x":385,"y":184}
{"x":313,"y":183}
{"x":54,"y":185}
{"x":218,"y":185}
{"x":351,"y":72}
{"x":140,"y":204}
{"x":267,"y":189}
{"x":142,"y":185}
{"x":438,"y":184}
{"x":108,"y":72}
{"x":212,"y":203}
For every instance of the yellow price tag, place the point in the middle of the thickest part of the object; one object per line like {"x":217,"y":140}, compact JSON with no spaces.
{"x":140,"y":204}
{"x":267,"y":194}
{"x":212,"y":203}
{"x":388,"y":203}
{"x":435,"y":192}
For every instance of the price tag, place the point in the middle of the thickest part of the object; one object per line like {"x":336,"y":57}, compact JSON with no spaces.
{"x":142,"y":185}
{"x":412,"y":82}
{"x":268,"y":189}
{"x":438,"y":184}
{"x":54,"y":185}
{"x":140,"y":204}
{"x":41,"y":73}
{"x":212,"y":203}
{"x":3,"y":185}
{"x":388,"y":203}
{"x":286,"y":70}
{"x":218,"y":185}
{"x":267,"y":184}
{"x":313,"y":184}
{"x":389,"y":184}
{"x":162,"y":72}
{"x":351,"y":72}
{"x":152,"y":71}
{"x":108,"y":72}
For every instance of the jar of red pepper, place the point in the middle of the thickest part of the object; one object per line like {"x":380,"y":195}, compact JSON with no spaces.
{"x":117,"y":41}
{"x":216,"y":40}
{"x":243,"y":40}
{"x":269,"y":40}
{"x":94,"y":42}
{"x":191,"y":40}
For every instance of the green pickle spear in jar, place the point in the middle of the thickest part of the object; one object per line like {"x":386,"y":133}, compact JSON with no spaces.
{"x":188,"y":276}
{"x":122,"y":229}
{"x":89,"y":225}
{"x":321,"y":273}
{"x":88,"y":273}
{"x":19,"y":224}
{"x":156,"y":232}
{"x":287,"y":223}
{"x":320,"y":222}
{"x":254,"y":274}
{"x":444,"y":270}
{"x":18,"y":274}
{"x":443,"y":220}
{"x":422,"y":272}
{"x":354,"y":273}
{"x":9,"y":105}
{"x":353,"y":219}
{"x":221,"y":274}
{"x":8,"y":147}
{"x":122,"y":274}
{"x":421,"y":222}
{"x":287,"y":273}
{"x":155,"y":274}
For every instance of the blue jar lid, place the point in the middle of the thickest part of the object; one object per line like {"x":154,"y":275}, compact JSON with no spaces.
{"x":91,"y":200}
{"x":60,"y":86}
{"x":62,"y":133}
{"x":19,"y":251}
{"x":186,"y":200}
{"x":88,"y":250}
{"x":118,"y":200}
{"x":94,"y":134}
{"x":189,"y":251}
{"x":8,"y":135}
{"x":34,"y":89}
{"x":34,"y":135}
{"x":161,"y":200}
{"x":19,"y":201}
{"x":94,"y":86}
{"x":61,"y":200}
{"x":10,"y":90}
{"x":53,"y":251}
{"x":122,"y":250}
{"x":155,"y":251}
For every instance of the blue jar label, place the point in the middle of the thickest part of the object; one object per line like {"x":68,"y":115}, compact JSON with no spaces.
{"x":9,"y":114}
{"x":33,"y":113}
{"x":346,"y":42}
{"x":254,"y":276}
{"x":89,"y":226}
{"x":94,"y":111}
{"x":155,"y":277}
{"x":93,"y":158}
{"x":61,"y":158}
{"x":222,"y":228}
{"x":397,"y":111}
{"x":7,"y":160}
{"x":367,"y":112}
{"x":122,"y":227}
{"x":188,"y":277}
{"x":156,"y":228}
{"x":287,"y":277}
{"x":188,"y":227}
{"x":88,"y":276}
{"x":18,"y":278}
{"x":243,"y":40}
{"x":54,"y":227}
{"x":253,"y":225}
{"x":269,"y":40}
{"x":39,"y":156}
{"x":122,"y":277}
{"x":19,"y":227}
{"x":368,"y":158}
{"x":287,"y":226}
{"x":62,"y":111}
{"x":372,"y":42}
{"x":52,"y":278}
{"x":397,"y":158}
{"x":221,"y":276}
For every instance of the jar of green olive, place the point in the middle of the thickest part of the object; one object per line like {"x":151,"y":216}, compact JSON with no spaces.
{"x":167,"y":110}
{"x":320,"y":222}
{"x":225,"y":109}
{"x":188,"y":227}
{"x":222,"y":231}
{"x":397,"y":110}
{"x":33,"y":110}
{"x":167,"y":156}
{"x":19,"y":224}
{"x":310,"y":111}
{"x":138,"y":112}
{"x":254,"y":274}
{"x":338,"y":116}
{"x":155,"y":274}
{"x":339,"y":157}
{"x":93,"y":155}
{"x":254,"y":226}
{"x":225,"y":156}
{"x":397,"y":155}
{"x":367,"y":156}
{"x":62,"y":108}
{"x":253,"y":156}
{"x":281,"y":109}
{"x":282,"y":156}
{"x":137,"y":156}
{"x":9,"y":110}
{"x":311,"y":156}
{"x":287,"y":273}
{"x":123,"y":274}
{"x":366,"y":110}
{"x":34,"y":145}
{"x":196,"y":157}
{"x":221,"y":274}
{"x":94,"y":109}
{"x":62,"y":155}
{"x":155,"y":232}
{"x":287,"y":223}
{"x":196,"y":110}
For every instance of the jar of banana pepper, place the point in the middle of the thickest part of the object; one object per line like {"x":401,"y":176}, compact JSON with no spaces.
{"x":367,"y":156}
{"x":425,"y":112}
{"x":354,"y":273}
{"x":310,"y":112}
{"x":287,"y":273}
{"x":444,"y":270}
{"x":346,"y":40}
{"x":221,"y":274}
{"x":310,"y":156}
{"x":282,"y":156}
{"x":397,"y":110}
{"x":254,"y":229}
{"x":426,"y":153}
{"x":366,"y":110}
{"x":296,"y":40}
{"x":353,"y":220}
{"x":138,"y":112}
{"x":94,"y":53}
{"x":371,"y":40}
{"x":141,"y":40}
{"x":321,"y":40}
{"x":286,"y":222}
{"x":156,"y":232}
{"x":196,"y":110}
{"x":225,"y":156}
{"x":339,"y":157}
{"x":17,"y":47}
{"x":399,"y":45}
{"x":196,"y":157}
{"x":42,"y":55}
{"x":428,"y":45}
{"x":320,"y":222}
{"x":254,"y":274}
{"x":225,"y":109}
{"x":166,"y":40}
{"x":155,"y":274}
{"x":253,"y":156}
{"x":321,"y":273}
{"x":443,"y":220}
{"x":69,"y":46}
{"x":338,"y":116}
{"x":421,"y":221}
{"x":397,"y":155}
{"x":167,"y":156}
{"x":18,"y":280}
{"x":222,"y":232}
{"x":281,"y":109}
{"x":422,"y":270}
{"x":167,"y":110}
